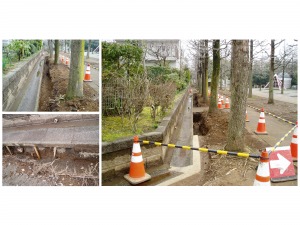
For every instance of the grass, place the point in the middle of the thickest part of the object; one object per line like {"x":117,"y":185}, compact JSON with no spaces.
{"x":113,"y":128}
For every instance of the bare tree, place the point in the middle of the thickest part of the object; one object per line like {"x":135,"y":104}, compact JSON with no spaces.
{"x":88,"y":50}
{"x":50,"y":44}
{"x":272,"y":72}
{"x":239,"y":84}
{"x":75,"y":85}
{"x":56,"y":51}
{"x":215,"y":76}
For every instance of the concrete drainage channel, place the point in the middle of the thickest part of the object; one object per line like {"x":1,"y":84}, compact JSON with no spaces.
{"x":51,"y":150}
{"x":21,"y":88}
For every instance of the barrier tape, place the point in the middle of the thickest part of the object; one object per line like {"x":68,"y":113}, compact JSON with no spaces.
{"x":221,"y":152}
{"x":281,"y":140}
{"x":271,"y":114}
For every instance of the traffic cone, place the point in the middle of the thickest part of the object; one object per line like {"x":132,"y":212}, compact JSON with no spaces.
{"x":261,"y":126}
{"x":294,"y":144}
{"x":262,"y":177}
{"x":247,"y":119}
{"x":67,"y":61}
{"x":87,"y":76}
{"x":62,"y":59}
{"x":137,"y":172}
{"x":222,"y":99}
{"x":227,"y":106}
{"x":220,"y":104}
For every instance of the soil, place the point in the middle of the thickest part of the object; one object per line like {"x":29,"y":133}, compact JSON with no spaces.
{"x":54,"y":88}
{"x":226,"y":170}
{"x":66,"y":169}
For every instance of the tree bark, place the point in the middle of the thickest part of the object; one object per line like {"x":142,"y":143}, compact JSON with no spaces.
{"x":205,"y":75}
{"x":215,"y":76}
{"x":75,"y":86}
{"x":89,"y":49}
{"x":271,"y":75}
{"x":50,"y":48}
{"x":250,"y":69}
{"x":199,"y":74}
{"x":65,"y":46}
{"x":239,"y":87}
{"x":56,"y":51}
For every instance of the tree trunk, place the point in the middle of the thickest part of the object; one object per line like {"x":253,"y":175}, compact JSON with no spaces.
{"x":250,"y":69}
{"x":56,"y":51}
{"x":215,"y":76}
{"x":239,"y":84}
{"x":75,"y":86}
{"x":65,"y":46}
{"x":50,"y":48}
{"x":199,"y":72}
{"x":283,"y":69}
{"x":271,"y":75}
{"x":205,"y":75}
{"x":89,"y":49}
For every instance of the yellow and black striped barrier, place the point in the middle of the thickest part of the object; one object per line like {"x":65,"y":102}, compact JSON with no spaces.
{"x":281,"y":140}
{"x":271,"y":114}
{"x":221,"y":152}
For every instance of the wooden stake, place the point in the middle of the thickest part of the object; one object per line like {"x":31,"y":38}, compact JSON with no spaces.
{"x":54,"y":151}
{"x":8,"y":150}
{"x":37,"y":152}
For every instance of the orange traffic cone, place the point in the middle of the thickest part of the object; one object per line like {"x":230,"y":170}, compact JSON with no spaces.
{"x":67,"y":61}
{"x":227,"y":106}
{"x":294,"y":143}
{"x":247,"y":119}
{"x":87,"y":76}
{"x":261,"y":126}
{"x":137,"y":172}
{"x":222,"y":99}
{"x":62,"y":59}
{"x":262,"y":177}
{"x":219,"y":104}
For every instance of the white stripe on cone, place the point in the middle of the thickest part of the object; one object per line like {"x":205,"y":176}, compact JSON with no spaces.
{"x":137,"y":159}
{"x":262,"y":121}
{"x":136,"y":148}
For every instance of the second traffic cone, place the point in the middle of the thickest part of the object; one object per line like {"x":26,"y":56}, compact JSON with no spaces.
{"x":62,"y":59}
{"x":67,"y":61}
{"x":294,"y":144}
{"x":227,"y":106}
{"x":261,"y":126}
{"x":87,"y":76}
{"x":137,"y":172}
{"x":247,"y":119}
{"x":220,"y":104}
{"x":262,"y":177}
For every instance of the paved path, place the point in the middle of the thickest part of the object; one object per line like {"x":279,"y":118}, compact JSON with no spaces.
{"x":288,"y":95}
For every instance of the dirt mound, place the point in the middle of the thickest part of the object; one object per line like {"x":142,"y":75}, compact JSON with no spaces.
{"x":54,"y":88}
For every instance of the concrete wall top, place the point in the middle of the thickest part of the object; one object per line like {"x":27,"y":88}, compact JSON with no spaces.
{"x":20,"y":120}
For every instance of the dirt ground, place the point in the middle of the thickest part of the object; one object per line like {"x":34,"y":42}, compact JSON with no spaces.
{"x":24,"y":169}
{"x":226,"y":170}
{"x":53,"y":91}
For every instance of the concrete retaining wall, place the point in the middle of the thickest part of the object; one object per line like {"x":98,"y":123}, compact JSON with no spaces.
{"x":21,"y":120}
{"x":13,"y":81}
{"x":116,"y":156}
